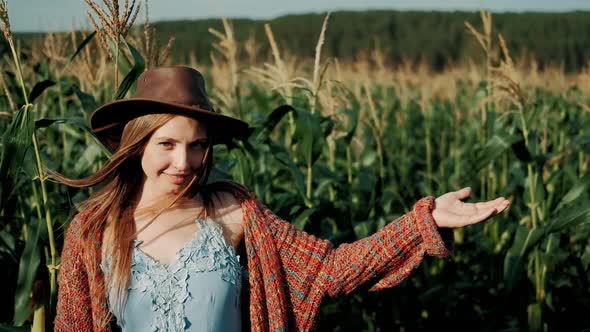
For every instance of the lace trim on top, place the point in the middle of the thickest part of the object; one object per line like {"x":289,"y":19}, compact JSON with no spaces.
{"x":167,"y":284}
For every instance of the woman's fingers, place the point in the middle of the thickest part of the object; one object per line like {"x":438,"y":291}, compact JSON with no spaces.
{"x":469,"y":215}
{"x":463,"y":193}
{"x":499,"y":204}
{"x":448,"y":219}
{"x":488,"y":204}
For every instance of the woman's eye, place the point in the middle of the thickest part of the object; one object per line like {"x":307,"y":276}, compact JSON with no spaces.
{"x":165,"y":144}
{"x":199,"y":145}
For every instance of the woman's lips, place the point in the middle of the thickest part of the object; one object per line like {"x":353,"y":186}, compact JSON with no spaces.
{"x":177,"y":178}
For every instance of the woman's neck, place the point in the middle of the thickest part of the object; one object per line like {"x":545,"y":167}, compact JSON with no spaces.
{"x":152,"y":206}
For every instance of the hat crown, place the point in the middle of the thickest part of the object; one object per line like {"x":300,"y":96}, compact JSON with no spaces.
{"x":176,"y":84}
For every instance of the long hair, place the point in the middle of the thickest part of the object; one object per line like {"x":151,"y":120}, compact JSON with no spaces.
{"x":113,"y":206}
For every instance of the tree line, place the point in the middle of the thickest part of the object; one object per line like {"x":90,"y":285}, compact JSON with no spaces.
{"x":438,"y":39}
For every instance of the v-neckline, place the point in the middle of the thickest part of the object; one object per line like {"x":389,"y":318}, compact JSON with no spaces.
{"x":179,"y":253}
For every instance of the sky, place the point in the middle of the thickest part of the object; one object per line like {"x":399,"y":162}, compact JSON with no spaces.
{"x":63,"y":15}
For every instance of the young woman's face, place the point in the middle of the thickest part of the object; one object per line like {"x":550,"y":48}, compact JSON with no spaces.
{"x":173,"y":155}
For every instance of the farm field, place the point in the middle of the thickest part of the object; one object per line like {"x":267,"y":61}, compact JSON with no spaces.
{"x":363,"y":140}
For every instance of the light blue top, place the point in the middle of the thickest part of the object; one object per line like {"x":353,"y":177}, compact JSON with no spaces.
{"x":200,"y":291}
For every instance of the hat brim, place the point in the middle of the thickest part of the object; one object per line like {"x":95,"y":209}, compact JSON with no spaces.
{"x":107,"y":121}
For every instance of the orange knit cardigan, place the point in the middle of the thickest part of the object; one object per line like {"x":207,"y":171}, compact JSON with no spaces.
{"x":290,"y":271}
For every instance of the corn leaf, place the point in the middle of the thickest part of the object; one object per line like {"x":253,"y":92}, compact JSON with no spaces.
{"x":39,"y":88}
{"x":301,"y":220}
{"x":285,"y":160}
{"x":82,"y":45}
{"x":578,"y":214}
{"x":261,"y":132}
{"x":29,"y":263}
{"x":524,"y":240}
{"x":308,"y":135}
{"x":578,"y":189}
{"x":16,"y":140}
{"x":133,"y":74}
{"x":8,"y":328}
{"x":88,"y":102}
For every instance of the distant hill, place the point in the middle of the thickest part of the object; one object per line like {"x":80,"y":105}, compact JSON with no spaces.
{"x":437,"y":38}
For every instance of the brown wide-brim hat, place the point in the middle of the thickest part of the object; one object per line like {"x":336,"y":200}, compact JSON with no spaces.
{"x":175,"y":90}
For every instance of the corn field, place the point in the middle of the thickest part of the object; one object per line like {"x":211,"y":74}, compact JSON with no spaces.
{"x":338,"y":148}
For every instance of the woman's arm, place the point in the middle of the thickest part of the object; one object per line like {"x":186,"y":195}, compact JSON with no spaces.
{"x":385,"y":258}
{"x":73,"y":300}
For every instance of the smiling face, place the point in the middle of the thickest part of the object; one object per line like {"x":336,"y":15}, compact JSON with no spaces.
{"x":172,"y":156}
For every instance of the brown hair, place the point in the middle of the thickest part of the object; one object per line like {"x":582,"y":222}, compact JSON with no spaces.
{"x":114,"y":204}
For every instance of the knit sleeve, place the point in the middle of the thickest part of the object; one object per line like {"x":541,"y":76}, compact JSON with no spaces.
{"x":73,"y":300}
{"x":383,"y":259}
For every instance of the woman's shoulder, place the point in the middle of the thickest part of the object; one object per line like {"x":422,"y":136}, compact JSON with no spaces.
{"x":227,"y":187}
{"x":83,"y":225}
{"x":229,"y":207}
{"x":228,"y":211}
{"x":74,"y":230}
{"x":77,"y":222}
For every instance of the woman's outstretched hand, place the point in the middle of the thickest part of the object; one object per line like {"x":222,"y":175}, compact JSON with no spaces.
{"x":449,"y":211}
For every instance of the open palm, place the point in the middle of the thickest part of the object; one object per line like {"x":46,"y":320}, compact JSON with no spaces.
{"x":449,"y":211}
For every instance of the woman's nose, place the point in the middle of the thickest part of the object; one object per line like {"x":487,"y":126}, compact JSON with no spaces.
{"x":181,"y":160}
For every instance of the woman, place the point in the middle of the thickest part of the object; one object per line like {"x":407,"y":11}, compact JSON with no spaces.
{"x":159,"y":248}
